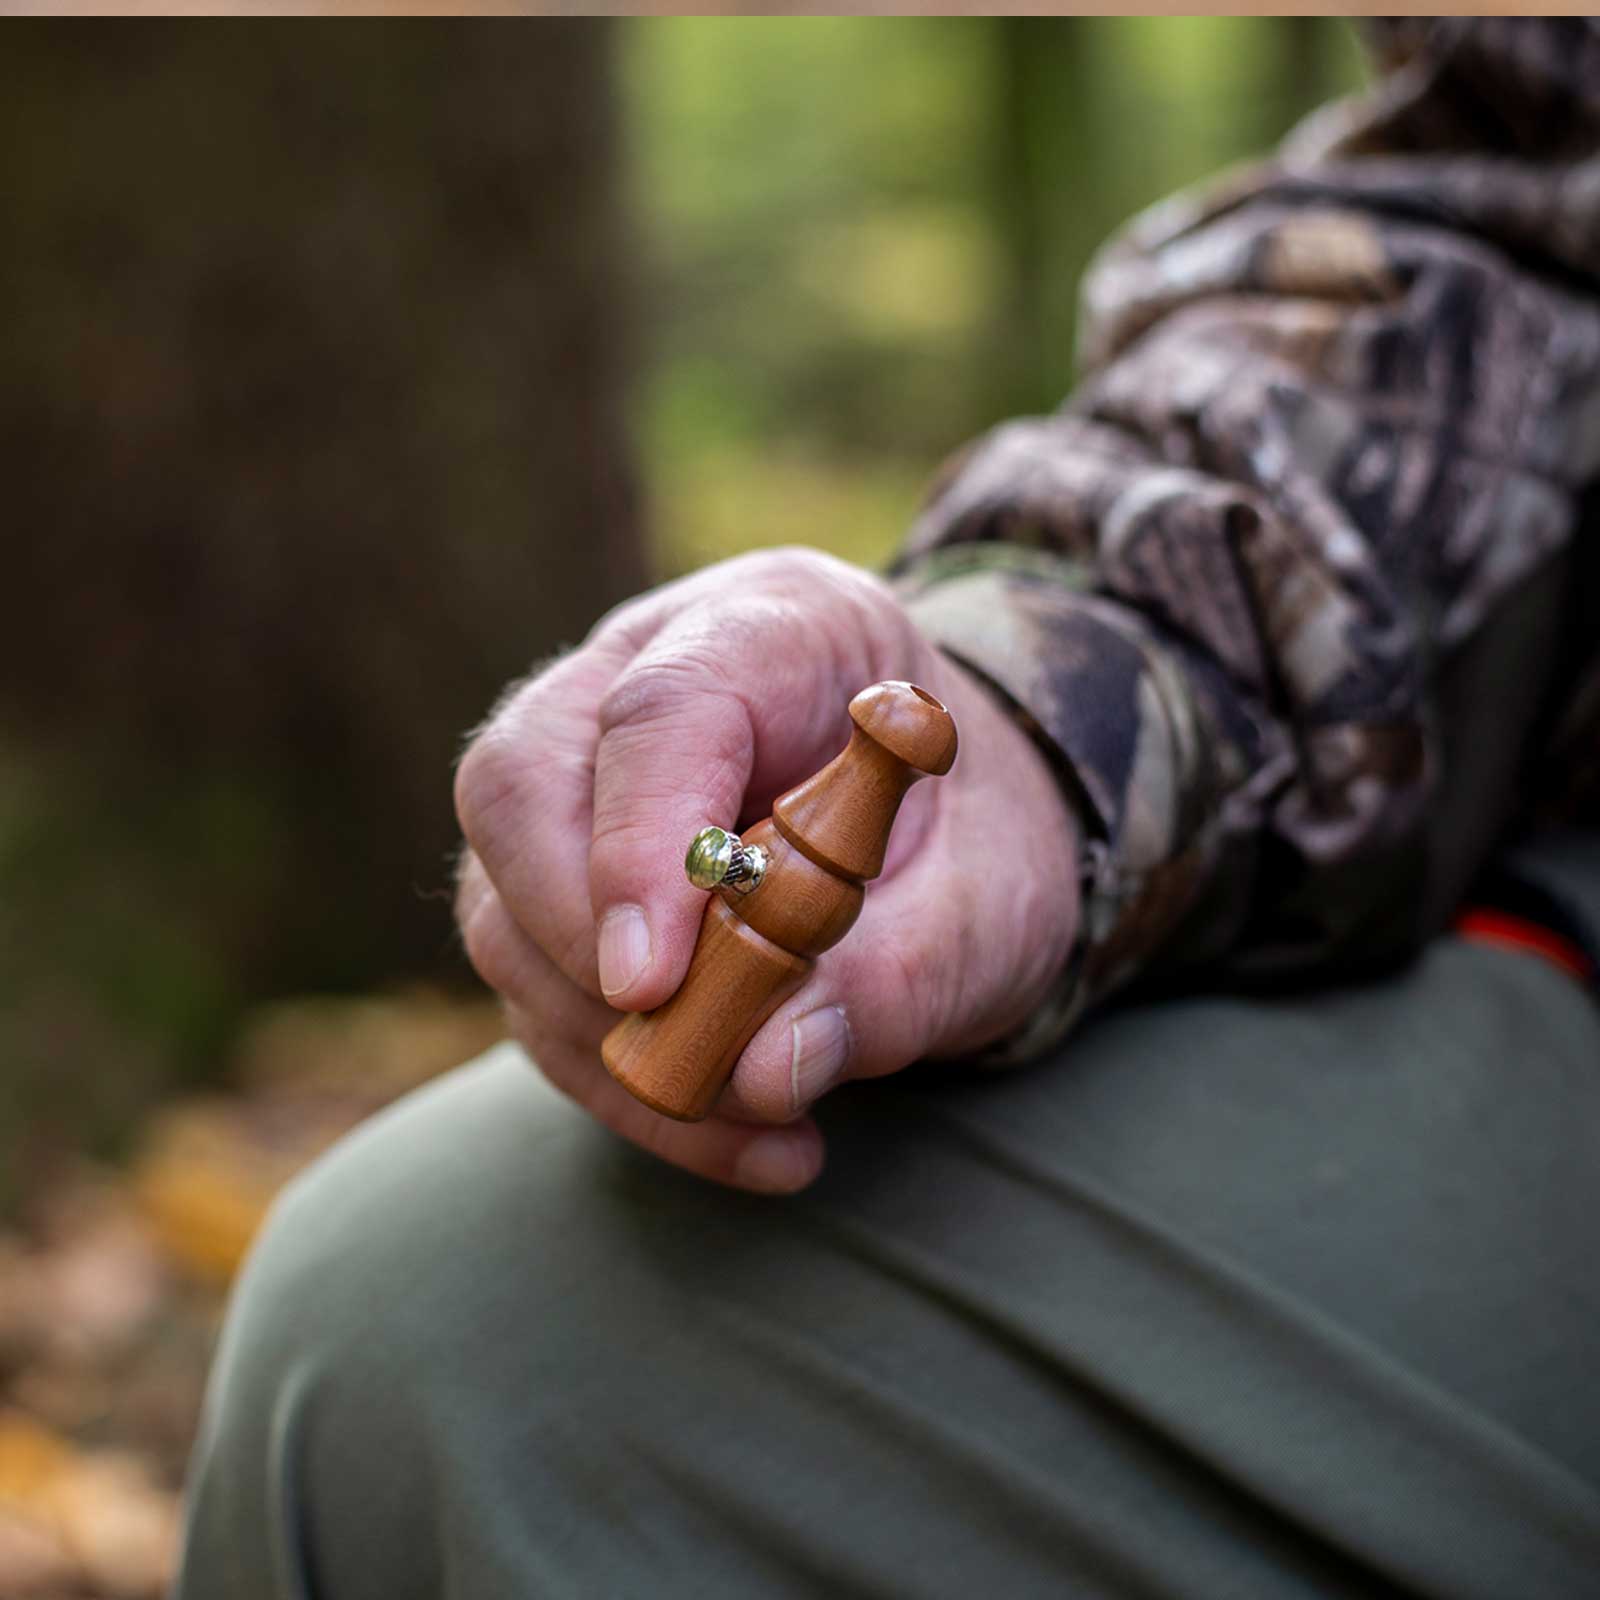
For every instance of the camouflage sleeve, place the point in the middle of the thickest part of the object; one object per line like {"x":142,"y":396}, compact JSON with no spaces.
{"x":1274,"y":589}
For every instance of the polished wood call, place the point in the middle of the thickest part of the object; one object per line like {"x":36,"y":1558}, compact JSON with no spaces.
{"x":793,"y":890}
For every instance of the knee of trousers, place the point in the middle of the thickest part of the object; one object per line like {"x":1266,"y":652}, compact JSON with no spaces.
{"x":387,"y":1283}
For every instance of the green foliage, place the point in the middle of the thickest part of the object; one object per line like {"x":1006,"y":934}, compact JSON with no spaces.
{"x":864,"y":236}
{"x":820,"y":271}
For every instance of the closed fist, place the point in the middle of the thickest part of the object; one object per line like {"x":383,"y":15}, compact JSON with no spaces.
{"x":702,"y":701}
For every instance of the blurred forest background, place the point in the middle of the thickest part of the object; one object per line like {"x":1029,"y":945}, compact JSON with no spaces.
{"x":349,"y":370}
{"x":348,"y":373}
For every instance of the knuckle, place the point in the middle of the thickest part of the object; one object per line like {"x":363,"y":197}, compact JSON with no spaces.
{"x":653,"y":692}
{"x":861,"y":608}
{"x":533,"y":713}
{"x":669,"y":730}
{"x":488,"y":939}
{"x":795,"y":561}
{"x":486,"y":776}
{"x":821,"y":578}
{"x":502,"y":776}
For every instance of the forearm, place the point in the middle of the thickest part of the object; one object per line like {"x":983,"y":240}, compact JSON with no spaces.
{"x":1326,"y":455}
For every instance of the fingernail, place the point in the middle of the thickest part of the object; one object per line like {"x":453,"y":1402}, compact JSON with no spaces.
{"x":821,"y":1049}
{"x":624,"y":948}
{"x":773,"y":1164}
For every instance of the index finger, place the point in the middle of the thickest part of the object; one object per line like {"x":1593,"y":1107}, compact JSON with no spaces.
{"x":524,"y":795}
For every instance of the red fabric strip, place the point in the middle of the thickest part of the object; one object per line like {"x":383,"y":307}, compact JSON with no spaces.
{"x":1486,"y":926}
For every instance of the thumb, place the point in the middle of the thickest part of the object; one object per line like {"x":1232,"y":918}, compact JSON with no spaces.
{"x":675,"y":753}
{"x":873,"y":1005}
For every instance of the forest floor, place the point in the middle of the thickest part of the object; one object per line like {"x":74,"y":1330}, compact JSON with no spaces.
{"x":113,"y":1282}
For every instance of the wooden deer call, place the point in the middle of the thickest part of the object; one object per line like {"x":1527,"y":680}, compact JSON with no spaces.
{"x":785,"y":892}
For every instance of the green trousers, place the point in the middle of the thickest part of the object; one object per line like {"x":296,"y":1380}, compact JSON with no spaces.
{"x":1249,"y":1298}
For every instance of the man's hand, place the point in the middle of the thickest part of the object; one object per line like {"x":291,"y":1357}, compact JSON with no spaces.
{"x":702,"y":702}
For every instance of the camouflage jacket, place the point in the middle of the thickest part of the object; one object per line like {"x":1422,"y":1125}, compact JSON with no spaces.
{"x":1297,"y":588}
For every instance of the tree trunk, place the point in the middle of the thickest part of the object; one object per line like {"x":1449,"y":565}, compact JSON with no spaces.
{"x":311,"y":435}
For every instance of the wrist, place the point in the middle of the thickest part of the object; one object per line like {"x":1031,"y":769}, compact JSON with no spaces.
{"x":1030,"y":824}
